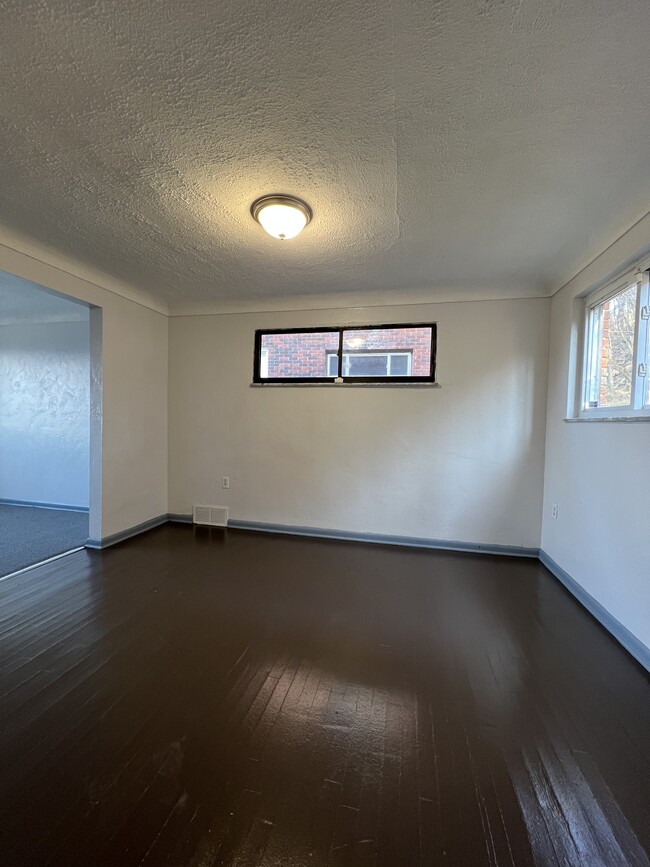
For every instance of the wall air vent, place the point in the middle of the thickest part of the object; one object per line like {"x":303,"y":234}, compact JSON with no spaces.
{"x":210,"y":516}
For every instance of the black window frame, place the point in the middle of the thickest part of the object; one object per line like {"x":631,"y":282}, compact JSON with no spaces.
{"x":340,"y":329}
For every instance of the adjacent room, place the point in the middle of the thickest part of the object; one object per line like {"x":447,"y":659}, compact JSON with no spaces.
{"x":324,"y":433}
{"x":44,"y":424}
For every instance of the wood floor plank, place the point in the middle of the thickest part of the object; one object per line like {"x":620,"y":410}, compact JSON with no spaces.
{"x":230,"y":698}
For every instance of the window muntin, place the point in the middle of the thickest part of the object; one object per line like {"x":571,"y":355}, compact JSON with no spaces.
{"x":399,"y":353}
{"x":615,"y":381}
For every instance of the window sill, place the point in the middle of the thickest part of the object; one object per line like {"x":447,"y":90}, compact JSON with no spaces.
{"x":345,"y":385}
{"x":626,"y":419}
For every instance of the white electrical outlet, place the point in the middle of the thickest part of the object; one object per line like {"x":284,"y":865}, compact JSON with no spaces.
{"x":225,"y":481}
{"x":554,"y":511}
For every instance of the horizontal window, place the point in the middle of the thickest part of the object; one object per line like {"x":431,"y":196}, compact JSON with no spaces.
{"x":373,"y":353}
{"x":617,"y":350}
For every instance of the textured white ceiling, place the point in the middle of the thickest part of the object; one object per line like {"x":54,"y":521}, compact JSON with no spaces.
{"x":441,"y":143}
{"x":22,"y":301}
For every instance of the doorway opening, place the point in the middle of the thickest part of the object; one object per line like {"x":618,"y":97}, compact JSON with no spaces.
{"x":49,"y":389}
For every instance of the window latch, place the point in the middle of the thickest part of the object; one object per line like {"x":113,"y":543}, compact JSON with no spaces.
{"x":645,"y":311}
{"x":642,"y":370}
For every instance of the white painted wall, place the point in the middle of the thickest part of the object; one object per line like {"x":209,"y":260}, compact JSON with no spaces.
{"x":133,"y":338}
{"x":44,"y":412}
{"x":598,"y":473}
{"x":460,"y":463}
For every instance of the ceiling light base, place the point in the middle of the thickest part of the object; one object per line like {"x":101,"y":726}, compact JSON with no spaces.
{"x":277,"y":204}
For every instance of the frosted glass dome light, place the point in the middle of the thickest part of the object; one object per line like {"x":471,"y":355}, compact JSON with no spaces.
{"x":283,"y":217}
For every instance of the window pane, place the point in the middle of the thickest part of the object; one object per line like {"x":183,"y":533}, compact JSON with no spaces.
{"x":300,"y":355}
{"x":368,"y":365}
{"x":332,"y":364}
{"x":399,"y":365}
{"x":612,"y":351}
{"x":411,"y":345}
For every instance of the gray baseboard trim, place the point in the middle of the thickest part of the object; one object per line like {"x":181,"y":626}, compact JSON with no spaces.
{"x":382,"y":539}
{"x":107,"y":541}
{"x":177,"y":518}
{"x":34,"y":504}
{"x":630,"y":642}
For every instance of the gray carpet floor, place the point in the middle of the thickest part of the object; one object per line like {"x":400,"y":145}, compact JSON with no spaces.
{"x":29,"y":535}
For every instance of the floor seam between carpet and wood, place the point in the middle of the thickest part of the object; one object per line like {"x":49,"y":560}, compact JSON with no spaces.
{"x":30,"y":535}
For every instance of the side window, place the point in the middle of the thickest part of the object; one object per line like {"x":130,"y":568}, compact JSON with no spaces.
{"x":615,"y":381}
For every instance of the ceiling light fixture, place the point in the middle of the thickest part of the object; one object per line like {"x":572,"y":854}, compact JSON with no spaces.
{"x":282,"y":217}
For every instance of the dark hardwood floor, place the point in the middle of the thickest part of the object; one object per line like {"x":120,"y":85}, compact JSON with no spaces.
{"x":199,"y":698}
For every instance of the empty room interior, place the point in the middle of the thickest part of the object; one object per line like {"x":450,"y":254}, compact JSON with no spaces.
{"x":325,"y":337}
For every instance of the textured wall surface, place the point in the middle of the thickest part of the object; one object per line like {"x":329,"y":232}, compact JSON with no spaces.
{"x":44,"y":412}
{"x":441,"y":144}
{"x":463,"y":462}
